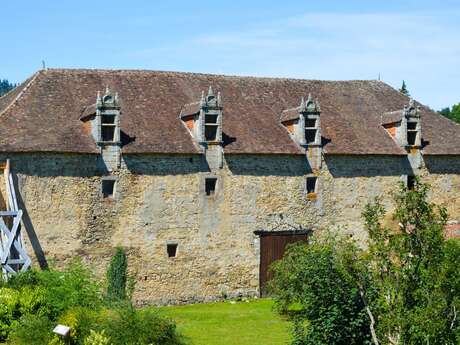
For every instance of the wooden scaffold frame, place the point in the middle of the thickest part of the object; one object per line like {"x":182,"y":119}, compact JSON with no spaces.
{"x":13,"y":256}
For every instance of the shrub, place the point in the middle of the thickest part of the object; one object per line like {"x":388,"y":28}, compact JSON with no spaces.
{"x":117,"y":276}
{"x":31,"y":330}
{"x":126,"y":326}
{"x":315,"y":281}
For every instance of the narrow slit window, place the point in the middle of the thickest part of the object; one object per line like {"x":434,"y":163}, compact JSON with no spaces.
{"x":210,"y":186}
{"x":311,"y":184}
{"x":410,"y":182}
{"x":108,"y":188}
{"x":171,"y":249}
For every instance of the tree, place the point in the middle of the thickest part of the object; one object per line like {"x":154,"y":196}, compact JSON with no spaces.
{"x":404,"y":288}
{"x":453,"y":114}
{"x":117,"y":276}
{"x":5,"y":86}
{"x":403,"y":89}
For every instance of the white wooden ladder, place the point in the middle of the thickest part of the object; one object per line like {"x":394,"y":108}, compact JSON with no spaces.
{"x":13,"y":256}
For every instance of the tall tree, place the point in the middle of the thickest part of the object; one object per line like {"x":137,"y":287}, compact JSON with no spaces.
{"x":403,"y":89}
{"x":5,"y":86}
{"x":452,"y":113}
{"x":402,"y":288}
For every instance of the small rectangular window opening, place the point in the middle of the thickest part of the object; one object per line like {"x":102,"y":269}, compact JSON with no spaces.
{"x":311,"y":184}
{"x":411,"y":133}
{"x":171,"y":249}
{"x":210,"y":132}
{"x":310,"y":123}
{"x":310,"y":136}
{"x":108,"y":188}
{"x":210,"y":185}
{"x":210,"y":118}
{"x":108,"y":133}
{"x":410,"y":182}
{"x":108,"y":119}
{"x":411,"y":137}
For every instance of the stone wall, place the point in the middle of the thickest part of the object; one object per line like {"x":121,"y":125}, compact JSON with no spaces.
{"x":160,"y":198}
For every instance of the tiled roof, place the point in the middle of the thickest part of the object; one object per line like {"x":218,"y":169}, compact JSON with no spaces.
{"x":190,"y":109}
{"x":391,"y":117}
{"x":43,"y":114}
{"x":290,"y":114}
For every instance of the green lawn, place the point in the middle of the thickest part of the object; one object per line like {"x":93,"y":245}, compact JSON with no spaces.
{"x":241,"y":323}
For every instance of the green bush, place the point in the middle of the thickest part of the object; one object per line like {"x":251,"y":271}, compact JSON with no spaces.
{"x":128,"y":326}
{"x":314,"y":281}
{"x":34,"y":302}
{"x":32,"y":330}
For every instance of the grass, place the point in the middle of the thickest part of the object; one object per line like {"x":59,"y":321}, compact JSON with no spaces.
{"x":229,"y":323}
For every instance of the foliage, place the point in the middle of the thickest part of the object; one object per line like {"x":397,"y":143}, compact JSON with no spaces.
{"x":452,"y":113}
{"x":412,"y":271}
{"x":403,"y":89}
{"x":97,"y":338}
{"x":5,"y":86}
{"x":34,"y":302}
{"x":117,"y":276}
{"x":315,"y":279}
{"x":32,"y":330}
{"x":126,"y":325}
{"x":404,"y":288}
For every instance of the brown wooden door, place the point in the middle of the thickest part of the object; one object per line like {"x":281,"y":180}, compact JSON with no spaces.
{"x":272,"y":248}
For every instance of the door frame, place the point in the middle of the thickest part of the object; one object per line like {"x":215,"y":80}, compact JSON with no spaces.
{"x":264,"y":233}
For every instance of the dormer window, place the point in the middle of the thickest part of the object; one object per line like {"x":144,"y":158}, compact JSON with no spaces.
{"x":204,"y":118}
{"x":303,"y":122}
{"x":404,"y":126}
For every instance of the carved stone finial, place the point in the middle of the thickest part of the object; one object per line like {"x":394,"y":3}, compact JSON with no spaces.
{"x":311,"y":105}
{"x":318,"y":105}
{"x":219,"y":98}
{"x":107,"y":90}
{"x":411,"y":103}
{"x":202,"y":99}
{"x":116,"y":97}
{"x":210,"y":92}
{"x":98,"y":98}
{"x":411,"y":110}
{"x":302,"y":104}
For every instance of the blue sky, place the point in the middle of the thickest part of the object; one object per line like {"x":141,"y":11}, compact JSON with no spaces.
{"x":418,"y":41}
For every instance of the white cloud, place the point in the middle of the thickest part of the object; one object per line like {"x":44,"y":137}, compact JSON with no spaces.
{"x":421,"y":48}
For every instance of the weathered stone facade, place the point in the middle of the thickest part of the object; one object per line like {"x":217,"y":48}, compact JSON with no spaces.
{"x":160,"y":199}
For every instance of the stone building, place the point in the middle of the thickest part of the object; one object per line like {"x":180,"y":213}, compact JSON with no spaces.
{"x":203,"y":178}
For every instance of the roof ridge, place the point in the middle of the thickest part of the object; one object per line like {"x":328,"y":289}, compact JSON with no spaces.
{"x":19,"y":95}
{"x":117,"y":70}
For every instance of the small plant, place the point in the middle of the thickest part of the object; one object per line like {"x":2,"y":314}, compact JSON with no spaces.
{"x":117,"y":276}
{"x":97,"y":338}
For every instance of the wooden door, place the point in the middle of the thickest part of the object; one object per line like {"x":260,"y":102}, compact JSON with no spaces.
{"x":272,"y":248}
